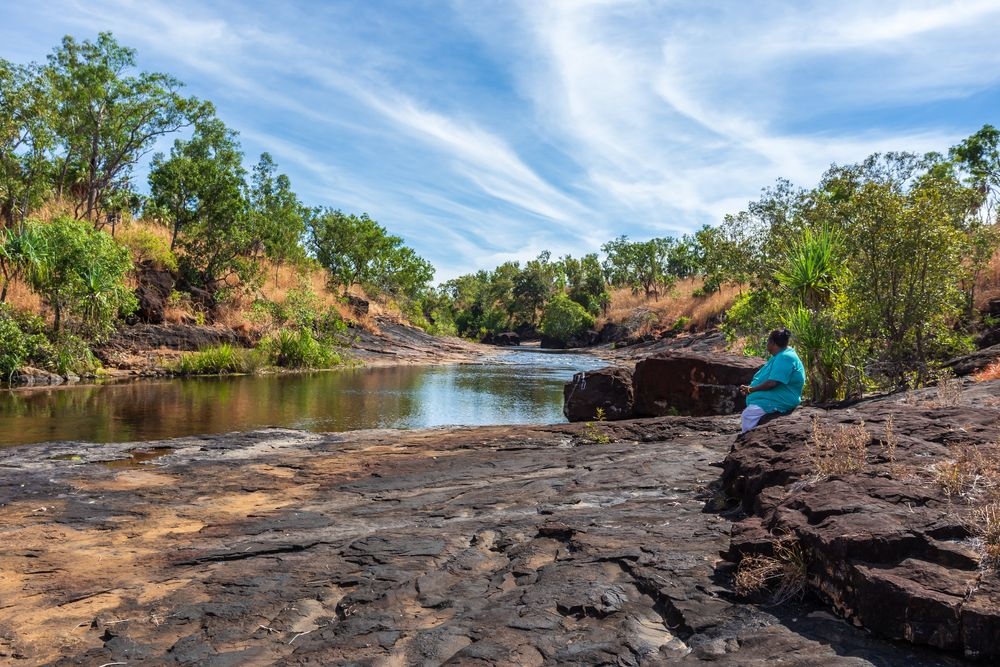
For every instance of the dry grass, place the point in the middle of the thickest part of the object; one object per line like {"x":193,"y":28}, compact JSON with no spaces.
{"x":888,"y":445}
{"x":986,"y":525}
{"x":973,"y":475}
{"x":840,"y":450}
{"x":949,"y":392}
{"x":991,"y":372}
{"x":784,"y":573}
{"x":22,"y":298}
{"x":654,"y":315}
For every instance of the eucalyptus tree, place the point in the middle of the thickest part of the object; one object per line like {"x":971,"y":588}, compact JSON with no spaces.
{"x":357,"y":250}
{"x":638,"y":264}
{"x":280,"y":217}
{"x":201,"y":190}
{"x":107,"y":117}
{"x":26,"y":140}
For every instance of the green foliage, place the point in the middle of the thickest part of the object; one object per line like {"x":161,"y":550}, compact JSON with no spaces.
{"x":564,"y":319}
{"x":279,"y":217}
{"x":26,"y":138}
{"x":219,"y":360}
{"x":639,"y":264}
{"x":289,"y":348}
{"x":106,"y":118}
{"x":202,"y":191}
{"x":356,"y":250}
{"x":147,"y":247}
{"x":66,"y":354}
{"x":81,"y":272}
{"x":15,"y":345}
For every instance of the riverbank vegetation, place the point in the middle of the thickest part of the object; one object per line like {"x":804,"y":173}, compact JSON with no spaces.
{"x":880,"y":269}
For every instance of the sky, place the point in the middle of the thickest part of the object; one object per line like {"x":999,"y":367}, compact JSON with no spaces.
{"x":483,"y":131}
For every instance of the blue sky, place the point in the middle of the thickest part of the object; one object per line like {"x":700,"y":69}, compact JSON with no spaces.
{"x":482,"y":131}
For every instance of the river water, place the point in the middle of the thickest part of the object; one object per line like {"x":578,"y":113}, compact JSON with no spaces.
{"x":513,"y":387}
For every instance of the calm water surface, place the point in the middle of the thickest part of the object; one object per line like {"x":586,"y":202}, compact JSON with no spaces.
{"x":516,"y":387}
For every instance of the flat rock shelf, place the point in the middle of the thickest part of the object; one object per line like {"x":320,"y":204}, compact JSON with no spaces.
{"x":581,"y":544}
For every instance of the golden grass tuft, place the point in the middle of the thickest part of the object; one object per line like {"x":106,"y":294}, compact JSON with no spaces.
{"x":653,"y":315}
{"x":840,"y":450}
{"x":991,"y":372}
{"x":784,"y":573}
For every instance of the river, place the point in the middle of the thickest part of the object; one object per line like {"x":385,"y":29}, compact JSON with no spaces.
{"x":512,"y":387}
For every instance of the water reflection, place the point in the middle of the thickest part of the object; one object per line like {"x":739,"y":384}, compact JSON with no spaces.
{"x":515,"y":387}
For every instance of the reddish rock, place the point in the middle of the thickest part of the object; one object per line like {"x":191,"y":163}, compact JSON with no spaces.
{"x":153,"y":292}
{"x":885,"y":545}
{"x":608,"y":389}
{"x":692,"y":383}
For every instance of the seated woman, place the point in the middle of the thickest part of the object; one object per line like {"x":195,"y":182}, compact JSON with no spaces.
{"x":777,"y":386}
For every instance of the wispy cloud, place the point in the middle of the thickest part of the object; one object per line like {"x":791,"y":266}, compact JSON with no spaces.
{"x":488,"y":130}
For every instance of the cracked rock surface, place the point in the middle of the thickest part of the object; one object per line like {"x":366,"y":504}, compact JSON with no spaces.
{"x":469,"y":546}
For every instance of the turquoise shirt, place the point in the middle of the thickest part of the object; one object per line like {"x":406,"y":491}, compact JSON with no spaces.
{"x":785,"y":368}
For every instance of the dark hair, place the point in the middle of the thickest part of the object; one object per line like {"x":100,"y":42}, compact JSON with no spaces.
{"x":780,"y":337}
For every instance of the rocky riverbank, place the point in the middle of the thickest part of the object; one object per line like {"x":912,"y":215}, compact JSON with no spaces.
{"x":565,"y":544}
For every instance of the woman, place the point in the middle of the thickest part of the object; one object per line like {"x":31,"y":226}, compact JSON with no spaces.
{"x":777,"y":386}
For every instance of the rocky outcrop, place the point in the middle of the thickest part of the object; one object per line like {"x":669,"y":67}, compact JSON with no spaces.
{"x":508,"y":546}
{"x":691,"y":383}
{"x":30,"y":376}
{"x":606,"y":391}
{"x":503,"y":339}
{"x":975,"y":362}
{"x":153,"y":292}
{"x":895,"y":542}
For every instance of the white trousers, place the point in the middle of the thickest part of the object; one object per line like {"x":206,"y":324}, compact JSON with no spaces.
{"x":750,"y":417}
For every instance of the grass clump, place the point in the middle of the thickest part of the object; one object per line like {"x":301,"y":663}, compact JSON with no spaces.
{"x":986,"y":525}
{"x":219,"y":360}
{"x":783,"y":573}
{"x":840,"y":450}
{"x":289,"y":348}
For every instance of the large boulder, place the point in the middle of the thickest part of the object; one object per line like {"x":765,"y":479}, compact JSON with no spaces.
{"x":686,"y":382}
{"x":608,"y":389}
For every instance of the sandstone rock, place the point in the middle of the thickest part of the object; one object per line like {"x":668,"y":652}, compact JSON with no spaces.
{"x":30,"y":376}
{"x":975,"y":362}
{"x":503,"y":339}
{"x":153,"y":292}
{"x":885,"y":544}
{"x":608,"y":389}
{"x":691,"y":383}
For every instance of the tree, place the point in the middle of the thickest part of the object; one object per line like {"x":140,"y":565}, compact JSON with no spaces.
{"x":564,"y":318}
{"x":356,"y":250}
{"x":81,"y":271}
{"x":638,"y":264}
{"x":280,"y":216}
{"x":904,"y":227}
{"x":201,"y":190}
{"x":585,"y":282}
{"x":533,"y":286}
{"x":107,"y":119}
{"x":26,"y":137}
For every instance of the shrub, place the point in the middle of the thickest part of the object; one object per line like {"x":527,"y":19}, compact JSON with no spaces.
{"x":289,"y":348}
{"x":14,"y":344}
{"x":146,"y":246}
{"x":564,"y":318}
